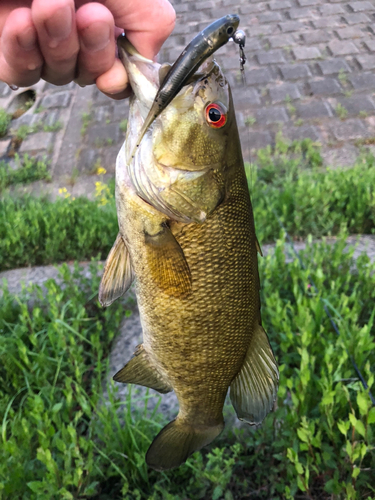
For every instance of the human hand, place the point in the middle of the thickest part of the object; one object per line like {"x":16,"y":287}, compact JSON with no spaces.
{"x":67,"y":40}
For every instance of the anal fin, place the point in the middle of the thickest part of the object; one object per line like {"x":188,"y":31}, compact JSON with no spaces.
{"x":139,"y":370}
{"x":118,"y":273}
{"x":254,"y":389}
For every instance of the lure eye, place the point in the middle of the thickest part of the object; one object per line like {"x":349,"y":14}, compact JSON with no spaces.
{"x":215,"y":116}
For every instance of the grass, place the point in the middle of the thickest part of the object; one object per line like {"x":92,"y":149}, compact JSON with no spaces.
{"x":288,"y":180}
{"x":28,"y":170}
{"x":4,"y":122}
{"x":60,"y":438}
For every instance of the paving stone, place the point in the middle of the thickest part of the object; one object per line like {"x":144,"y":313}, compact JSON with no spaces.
{"x":289,"y":26}
{"x":331,"y":9}
{"x":60,"y":88}
{"x":51,"y":117}
{"x":333,"y":66}
{"x":87,"y":160}
{"x":261,"y":30}
{"x":103,"y":113}
{"x":342,"y":157}
{"x":4,"y":89}
{"x":342,"y":48}
{"x":267,"y":116}
{"x":366,"y":62}
{"x":305,"y":3}
{"x":314,"y":110}
{"x":101,"y":135}
{"x":280,"y":4}
{"x":349,"y":130}
{"x":252,"y":97}
{"x":302,"y":13}
{"x":26,"y":119}
{"x":270,"y":17}
{"x":361,"y":6}
{"x":327,"y":22}
{"x":278,"y":41}
{"x":350,"y":32}
{"x":306,"y":53}
{"x":249,"y":8}
{"x":326,"y":86}
{"x":356,"y":18}
{"x":370,"y":45}
{"x":271,"y":57}
{"x":258,"y":76}
{"x":283,"y":92}
{"x":259,"y":140}
{"x":4,"y":146}
{"x":295,"y":71}
{"x":303,"y":132}
{"x":56,"y":100}
{"x":316,"y":36}
{"x":41,"y":141}
{"x":357,"y":104}
{"x":121,"y":110}
{"x":363,"y":81}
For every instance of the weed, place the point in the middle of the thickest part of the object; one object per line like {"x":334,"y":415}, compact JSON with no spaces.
{"x":341,"y":112}
{"x":123,"y":125}
{"x":73,"y":177}
{"x":343,"y":77}
{"x":4,"y":122}
{"x":299,"y":122}
{"x":86,"y":119}
{"x":54,"y":127}
{"x":363,"y":114}
{"x":66,"y":440}
{"x":250,"y":120}
{"x":24,"y":130}
{"x":348,"y":93}
{"x":291,"y":109}
{"x":27,"y":170}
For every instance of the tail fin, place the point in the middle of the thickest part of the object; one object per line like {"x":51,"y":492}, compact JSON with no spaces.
{"x":177,"y":441}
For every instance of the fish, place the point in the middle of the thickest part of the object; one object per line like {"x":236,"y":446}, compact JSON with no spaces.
{"x":187,"y":242}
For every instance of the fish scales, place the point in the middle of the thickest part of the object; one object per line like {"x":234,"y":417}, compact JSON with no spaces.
{"x":187,"y":239}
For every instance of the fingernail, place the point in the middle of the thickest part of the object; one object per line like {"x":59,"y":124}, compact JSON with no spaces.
{"x":96,"y":37}
{"x":27,"y":39}
{"x":59,"y":26}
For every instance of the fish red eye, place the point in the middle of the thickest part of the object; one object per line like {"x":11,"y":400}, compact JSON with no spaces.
{"x":216,"y":116}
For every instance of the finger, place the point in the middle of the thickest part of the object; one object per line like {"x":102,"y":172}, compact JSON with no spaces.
{"x":58,"y":38}
{"x":21,"y":61}
{"x":148,"y":23}
{"x":114,"y":82}
{"x":95,"y":25}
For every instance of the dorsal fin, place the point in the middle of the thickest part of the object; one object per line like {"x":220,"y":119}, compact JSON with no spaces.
{"x":118,"y":274}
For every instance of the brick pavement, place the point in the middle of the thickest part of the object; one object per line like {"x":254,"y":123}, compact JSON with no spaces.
{"x":310,"y":73}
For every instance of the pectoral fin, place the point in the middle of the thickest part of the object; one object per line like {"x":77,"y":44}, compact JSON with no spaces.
{"x":141,"y":371}
{"x":253,"y":391}
{"x":167,"y":264}
{"x":118,"y":274}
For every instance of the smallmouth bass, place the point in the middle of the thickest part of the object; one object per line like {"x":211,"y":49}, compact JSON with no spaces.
{"x":187,"y":240}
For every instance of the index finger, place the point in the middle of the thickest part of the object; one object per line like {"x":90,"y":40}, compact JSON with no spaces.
{"x":147,"y":23}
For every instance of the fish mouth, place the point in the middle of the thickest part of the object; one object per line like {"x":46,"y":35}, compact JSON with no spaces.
{"x":196,"y":52}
